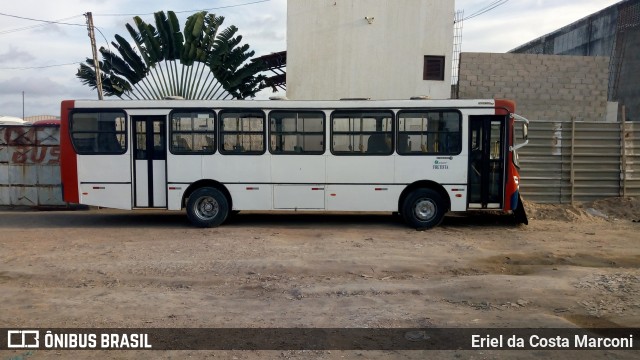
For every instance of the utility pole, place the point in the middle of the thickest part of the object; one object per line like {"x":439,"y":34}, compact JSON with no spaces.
{"x":96,"y":63}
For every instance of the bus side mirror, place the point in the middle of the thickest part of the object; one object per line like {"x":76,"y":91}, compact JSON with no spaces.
{"x":519,"y":120}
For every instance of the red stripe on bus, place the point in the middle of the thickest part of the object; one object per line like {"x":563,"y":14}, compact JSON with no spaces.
{"x":382,"y":189}
{"x":253,"y":188}
{"x":68,"y":157}
{"x":316,"y":189}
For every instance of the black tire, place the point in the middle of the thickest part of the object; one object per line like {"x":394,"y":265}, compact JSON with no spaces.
{"x":207,"y":207}
{"x":423,"y":209}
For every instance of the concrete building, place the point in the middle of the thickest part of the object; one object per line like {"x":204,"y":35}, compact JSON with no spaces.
{"x":369,"y":49}
{"x":613,"y":32}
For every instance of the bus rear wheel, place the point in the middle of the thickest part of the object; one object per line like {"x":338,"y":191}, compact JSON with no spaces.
{"x":423,"y":209}
{"x":207,"y":207}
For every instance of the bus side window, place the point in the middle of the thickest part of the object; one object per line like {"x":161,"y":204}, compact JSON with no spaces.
{"x":95,"y":133}
{"x":368,"y":132}
{"x":191,"y":132}
{"x":242,"y":132}
{"x":293,"y":132}
{"x":429,"y":132}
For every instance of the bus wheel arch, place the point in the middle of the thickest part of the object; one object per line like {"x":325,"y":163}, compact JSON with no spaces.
{"x":206,"y":183}
{"x":423,"y":204}
{"x":208,"y":203}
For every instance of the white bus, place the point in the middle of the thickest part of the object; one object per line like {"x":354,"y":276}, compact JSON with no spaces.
{"x":419,"y":158}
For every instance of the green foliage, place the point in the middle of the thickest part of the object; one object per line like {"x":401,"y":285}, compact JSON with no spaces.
{"x":200,"y":62}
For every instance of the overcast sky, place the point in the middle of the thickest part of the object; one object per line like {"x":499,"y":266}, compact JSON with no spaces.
{"x":26,"y":45}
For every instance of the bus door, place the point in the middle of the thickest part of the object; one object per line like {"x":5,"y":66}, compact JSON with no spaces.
{"x":149,"y":161}
{"x":486,"y":162}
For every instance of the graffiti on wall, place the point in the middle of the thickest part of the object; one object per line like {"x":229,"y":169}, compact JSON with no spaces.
{"x":30,"y":166}
{"x":31,"y":145}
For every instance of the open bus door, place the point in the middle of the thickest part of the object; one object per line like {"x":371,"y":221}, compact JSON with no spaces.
{"x":487,"y":161}
{"x":149,"y":161}
{"x":520,"y":139}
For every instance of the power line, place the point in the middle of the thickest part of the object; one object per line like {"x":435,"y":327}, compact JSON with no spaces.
{"x":8,"y":31}
{"x":104,"y":37}
{"x":62,"y":21}
{"x":43,"y":21}
{"x":196,"y":10}
{"x":38,"y":67}
{"x":486,"y":9}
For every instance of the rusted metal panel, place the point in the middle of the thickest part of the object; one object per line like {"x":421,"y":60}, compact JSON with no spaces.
{"x":4,"y":174}
{"x":23,"y":196}
{"x":48,"y":175}
{"x":50,"y":195}
{"x":30,"y":166}
{"x":4,"y":154}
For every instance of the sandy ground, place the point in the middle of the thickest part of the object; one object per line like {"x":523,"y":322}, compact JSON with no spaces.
{"x":572,"y":266}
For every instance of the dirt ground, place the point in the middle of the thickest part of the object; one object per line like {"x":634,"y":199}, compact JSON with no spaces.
{"x":572,"y":266}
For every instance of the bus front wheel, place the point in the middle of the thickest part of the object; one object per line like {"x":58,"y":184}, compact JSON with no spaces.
{"x":207,"y":207}
{"x":423,"y":209}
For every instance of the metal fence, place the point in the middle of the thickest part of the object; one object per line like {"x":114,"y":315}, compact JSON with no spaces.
{"x":569,"y":161}
{"x":30,"y":166}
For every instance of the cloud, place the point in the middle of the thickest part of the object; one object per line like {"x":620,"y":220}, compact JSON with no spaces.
{"x":15,"y":55}
{"x":262,"y":25}
{"x":266,"y":27}
{"x":42,"y":95}
{"x":33,"y":86}
{"x":518,"y":22}
{"x":49,"y":29}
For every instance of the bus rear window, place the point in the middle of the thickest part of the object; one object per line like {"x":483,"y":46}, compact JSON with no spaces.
{"x":98,"y":133}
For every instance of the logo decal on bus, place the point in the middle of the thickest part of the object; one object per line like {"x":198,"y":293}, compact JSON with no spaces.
{"x":440,"y":165}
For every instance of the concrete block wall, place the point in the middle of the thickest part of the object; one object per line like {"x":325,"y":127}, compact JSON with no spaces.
{"x":545,"y":87}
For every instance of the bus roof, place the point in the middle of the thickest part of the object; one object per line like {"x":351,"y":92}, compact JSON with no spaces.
{"x":284,"y":104}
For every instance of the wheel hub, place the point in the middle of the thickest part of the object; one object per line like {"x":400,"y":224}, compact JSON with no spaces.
{"x":425,"y":209}
{"x":208,"y":208}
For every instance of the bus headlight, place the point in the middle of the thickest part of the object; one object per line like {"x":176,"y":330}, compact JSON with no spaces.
{"x":517,"y":181}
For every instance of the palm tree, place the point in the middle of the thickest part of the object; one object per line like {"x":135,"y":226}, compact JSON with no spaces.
{"x":200,"y":62}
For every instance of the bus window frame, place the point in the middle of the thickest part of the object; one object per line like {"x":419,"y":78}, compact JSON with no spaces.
{"x":193,"y":110}
{"x":93,"y":111}
{"x":220,"y":131}
{"x":428,"y":110}
{"x":359,"y":111}
{"x":286,"y":111}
